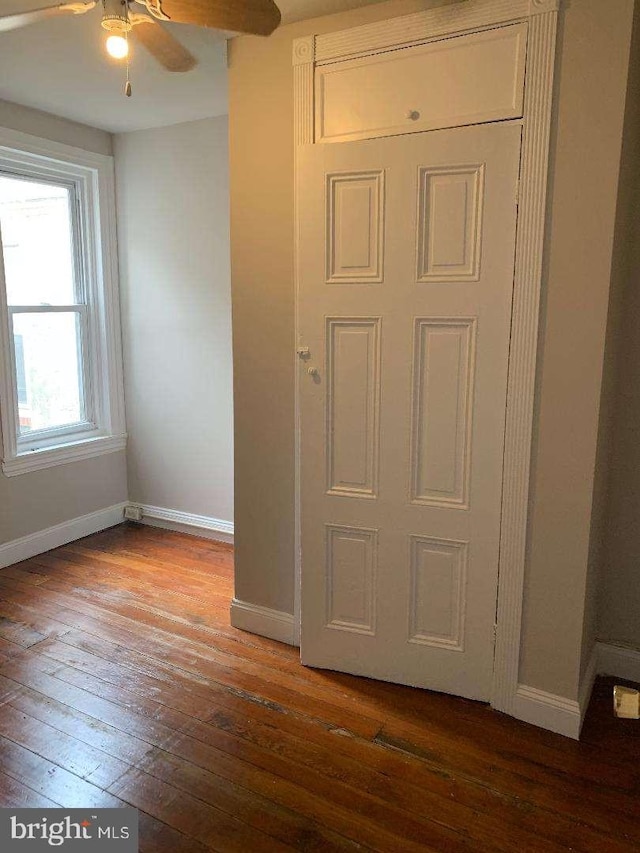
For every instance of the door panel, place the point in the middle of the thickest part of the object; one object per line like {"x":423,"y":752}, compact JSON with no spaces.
{"x":443,"y":379}
{"x":406,"y":250}
{"x":355,"y":227}
{"x":353,"y":401}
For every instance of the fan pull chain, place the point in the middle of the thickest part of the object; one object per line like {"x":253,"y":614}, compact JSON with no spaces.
{"x":127,"y":88}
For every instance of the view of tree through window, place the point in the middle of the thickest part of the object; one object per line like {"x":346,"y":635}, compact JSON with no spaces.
{"x":45,"y":302}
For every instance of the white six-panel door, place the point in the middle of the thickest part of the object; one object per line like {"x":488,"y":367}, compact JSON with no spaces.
{"x":406,"y":256}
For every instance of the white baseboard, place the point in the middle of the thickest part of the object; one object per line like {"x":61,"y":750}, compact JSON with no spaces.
{"x":555,"y":713}
{"x":186,"y":522}
{"x":53,"y":537}
{"x":619,"y":661}
{"x":262,"y":620}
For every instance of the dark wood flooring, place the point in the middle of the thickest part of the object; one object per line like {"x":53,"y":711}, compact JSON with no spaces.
{"x":121,"y":681}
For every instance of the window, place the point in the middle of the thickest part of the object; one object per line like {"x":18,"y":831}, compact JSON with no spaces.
{"x":62,"y":393}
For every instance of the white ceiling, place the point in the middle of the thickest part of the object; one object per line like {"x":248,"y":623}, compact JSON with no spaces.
{"x":60,"y":66}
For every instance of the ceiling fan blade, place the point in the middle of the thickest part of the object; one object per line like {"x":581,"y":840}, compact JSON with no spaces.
{"x":163,"y":46}
{"x":259,"y":17}
{"x":22,"y":19}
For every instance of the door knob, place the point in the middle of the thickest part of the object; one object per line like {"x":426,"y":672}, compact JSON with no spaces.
{"x":413,"y":115}
{"x":313,"y":371}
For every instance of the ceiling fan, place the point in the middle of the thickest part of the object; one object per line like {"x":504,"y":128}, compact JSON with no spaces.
{"x":257,"y":17}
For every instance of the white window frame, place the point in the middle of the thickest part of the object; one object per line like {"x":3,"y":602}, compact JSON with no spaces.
{"x":92,"y":176}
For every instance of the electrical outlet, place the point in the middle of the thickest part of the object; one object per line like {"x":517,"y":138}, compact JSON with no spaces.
{"x":133,"y":513}
{"x":626,"y":702}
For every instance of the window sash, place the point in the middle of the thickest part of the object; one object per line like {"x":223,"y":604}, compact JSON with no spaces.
{"x":48,"y":436}
{"x":78,"y":226}
{"x":51,"y":436}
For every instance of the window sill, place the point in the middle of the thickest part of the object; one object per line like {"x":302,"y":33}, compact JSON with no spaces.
{"x":49,"y":457}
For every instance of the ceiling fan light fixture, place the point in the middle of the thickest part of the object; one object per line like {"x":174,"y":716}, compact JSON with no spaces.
{"x":117,"y":46}
{"x":115,"y":20}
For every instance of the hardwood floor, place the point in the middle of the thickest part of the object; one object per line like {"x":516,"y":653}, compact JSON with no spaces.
{"x":122,"y":682}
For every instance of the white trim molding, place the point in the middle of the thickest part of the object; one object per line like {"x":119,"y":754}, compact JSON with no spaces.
{"x":556,"y":713}
{"x":60,"y":534}
{"x":274,"y":624}
{"x":422,"y":26}
{"x":522,"y":356}
{"x":183,"y":522}
{"x":91,"y":181}
{"x":49,"y":457}
{"x":619,"y":661}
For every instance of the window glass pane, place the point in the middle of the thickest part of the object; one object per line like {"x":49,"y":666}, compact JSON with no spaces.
{"x":48,"y":368}
{"x":37,"y":242}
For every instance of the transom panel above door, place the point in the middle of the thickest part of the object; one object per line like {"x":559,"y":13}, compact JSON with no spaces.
{"x":468,"y":79}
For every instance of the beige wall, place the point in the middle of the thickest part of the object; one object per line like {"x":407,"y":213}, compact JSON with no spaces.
{"x":613,"y":409}
{"x":32,"y":502}
{"x":593,"y":56}
{"x":52,"y":127}
{"x":173,"y":229}
{"x":593,"y":51}
{"x":261,"y":157}
{"x":619,"y":535}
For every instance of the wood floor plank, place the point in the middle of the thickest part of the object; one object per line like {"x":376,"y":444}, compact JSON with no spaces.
{"x":121,"y":680}
{"x":28,"y":627}
{"x":214,"y":569}
{"x":318,"y":747}
{"x":9,"y":649}
{"x":22,"y":574}
{"x":109,"y":727}
{"x":248,"y":722}
{"x":117,"y":580}
{"x":552,"y":774}
{"x":58,"y":601}
{"x":565,"y":760}
{"x":83,"y":704}
{"x":154,"y":836}
{"x":611,"y":813}
{"x":221,"y":668}
{"x":192,"y":817}
{"x":192,"y":584}
{"x":283,"y":824}
{"x":19,"y":633}
{"x":109,"y":594}
{"x":142,"y":693}
{"x":16,"y":795}
{"x":52,"y":781}
{"x":221,"y":680}
{"x":83,"y":760}
{"x":82,"y":600}
{"x":228,"y":796}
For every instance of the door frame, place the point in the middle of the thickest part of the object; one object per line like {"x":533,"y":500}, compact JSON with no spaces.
{"x":460,"y":18}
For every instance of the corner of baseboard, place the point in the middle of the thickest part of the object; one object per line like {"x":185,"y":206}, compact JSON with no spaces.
{"x":183,"y":522}
{"x":274,"y":624}
{"x":587,"y":682}
{"x":548,"y":711}
{"x":557,"y":713}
